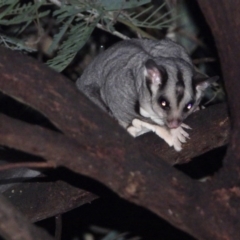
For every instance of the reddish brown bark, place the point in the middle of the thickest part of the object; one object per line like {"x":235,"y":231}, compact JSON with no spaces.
{"x":99,"y":148}
{"x":224,"y":19}
{"x":15,"y":226}
{"x":50,"y":198}
{"x":93,"y":144}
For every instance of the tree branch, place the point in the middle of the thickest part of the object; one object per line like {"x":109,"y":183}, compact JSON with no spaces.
{"x":100,"y":149}
{"x":223,"y":18}
{"x":58,"y":99}
{"x":129,"y":173}
{"x":15,"y":226}
{"x":51,"y":197}
{"x":8,"y":166}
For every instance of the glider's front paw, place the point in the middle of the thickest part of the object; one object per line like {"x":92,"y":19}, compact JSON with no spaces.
{"x":133,"y":131}
{"x":139,"y":127}
{"x":179,"y":136}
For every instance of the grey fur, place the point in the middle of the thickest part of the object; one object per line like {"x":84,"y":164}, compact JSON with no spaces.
{"x":121,"y":78}
{"x":121,"y":81}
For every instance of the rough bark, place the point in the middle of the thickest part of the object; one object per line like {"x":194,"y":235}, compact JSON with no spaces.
{"x":210,"y":129}
{"x":96,"y":145}
{"x":71,"y":197}
{"x":58,"y":99}
{"x":99,"y":149}
{"x":50,"y":198}
{"x":224,"y":19}
{"x":13,"y":225}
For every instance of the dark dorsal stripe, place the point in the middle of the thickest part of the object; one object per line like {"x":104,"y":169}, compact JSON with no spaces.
{"x":164,"y":76}
{"x":180,"y":86}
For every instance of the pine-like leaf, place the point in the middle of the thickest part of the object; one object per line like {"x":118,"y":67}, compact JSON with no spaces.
{"x":20,"y":18}
{"x":153,"y":20}
{"x":16,"y":13}
{"x":110,"y":5}
{"x":76,"y":39}
{"x":57,"y":38}
{"x":8,"y":8}
{"x":14,"y":43}
{"x":67,"y":11}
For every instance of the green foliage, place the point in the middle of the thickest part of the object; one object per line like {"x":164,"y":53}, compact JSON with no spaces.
{"x":14,"y":44}
{"x":76,"y":38}
{"x":20,"y":15}
{"x":64,"y":16}
{"x":74,"y":21}
{"x":110,"y":5}
{"x":15,"y":13}
{"x":148,"y":18}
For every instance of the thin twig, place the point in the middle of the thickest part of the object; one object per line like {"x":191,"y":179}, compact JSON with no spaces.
{"x":136,"y":29}
{"x":58,"y":227}
{"x":115,"y":33}
{"x":203,"y":60}
{"x":99,"y":25}
{"x":27,"y":165}
{"x":190,"y":36}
